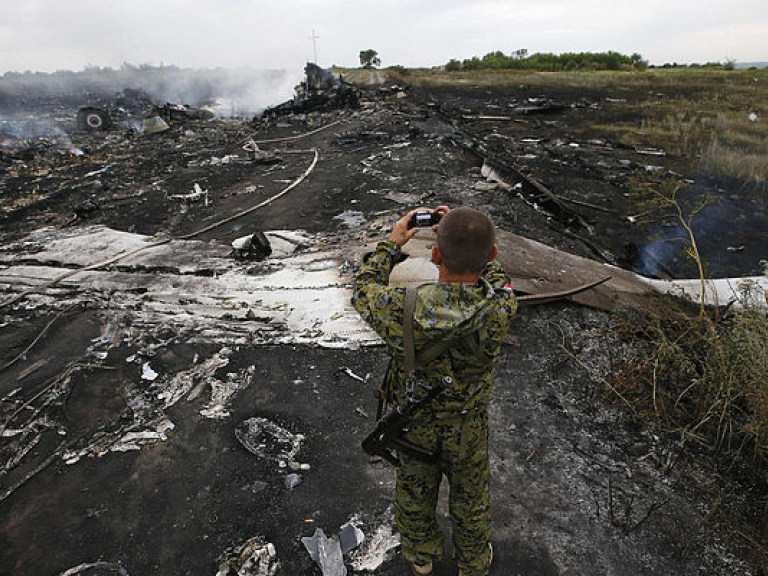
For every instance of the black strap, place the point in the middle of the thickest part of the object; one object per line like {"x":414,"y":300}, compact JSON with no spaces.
{"x":475,"y":341}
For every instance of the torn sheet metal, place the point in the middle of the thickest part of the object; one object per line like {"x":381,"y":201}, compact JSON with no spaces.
{"x":222,"y":391}
{"x":196,"y":195}
{"x":750,"y":291}
{"x":122,"y":440}
{"x":348,"y":372}
{"x":293,"y":297}
{"x":96,"y":569}
{"x":376,"y":549}
{"x":182,"y":383}
{"x":326,"y":552}
{"x":350,"y":537}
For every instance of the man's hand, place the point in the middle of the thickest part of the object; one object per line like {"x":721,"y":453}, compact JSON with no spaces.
{"x":442,"y":210}
{"x":400,"y":231}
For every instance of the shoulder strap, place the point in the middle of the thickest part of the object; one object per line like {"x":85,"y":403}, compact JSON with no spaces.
{"x":409,"y":352}
{"x":475,"y":341}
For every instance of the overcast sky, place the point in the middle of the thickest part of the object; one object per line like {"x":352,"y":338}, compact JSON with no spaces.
{"x":48,"y":35}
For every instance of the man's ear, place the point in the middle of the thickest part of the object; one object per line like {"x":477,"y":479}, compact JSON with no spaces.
{"x":494,"y":253}
{"x":437,"y":258}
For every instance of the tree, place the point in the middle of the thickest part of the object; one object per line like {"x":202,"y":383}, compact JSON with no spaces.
{"x":453,"y":65}
{"x":369,"y":58}
{"x":638,"y":62}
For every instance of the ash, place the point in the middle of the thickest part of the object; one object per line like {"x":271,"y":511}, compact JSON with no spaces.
{"x":156,"y":393}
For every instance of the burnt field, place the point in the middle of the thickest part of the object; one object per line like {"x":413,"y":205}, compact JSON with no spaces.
{"x":167,"y":408}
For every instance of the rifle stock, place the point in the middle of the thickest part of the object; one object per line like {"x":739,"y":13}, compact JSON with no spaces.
{"x":387,"y":439}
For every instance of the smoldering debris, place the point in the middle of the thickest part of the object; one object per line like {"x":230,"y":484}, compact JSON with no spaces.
{"x":208,"y":331}
{"x":321,"y":90}
{"x":25,"y":138}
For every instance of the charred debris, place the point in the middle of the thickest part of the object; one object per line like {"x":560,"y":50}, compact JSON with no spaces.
{"x":320,"y":90}
{"x":181,"y":367}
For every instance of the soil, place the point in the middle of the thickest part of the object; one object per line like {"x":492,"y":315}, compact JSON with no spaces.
{"x":580,"y":486}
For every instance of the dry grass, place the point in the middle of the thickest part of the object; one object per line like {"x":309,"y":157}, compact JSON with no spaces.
{"x":702,"y":376}
{"x":730,"y":161}
{"x":699,"y":114}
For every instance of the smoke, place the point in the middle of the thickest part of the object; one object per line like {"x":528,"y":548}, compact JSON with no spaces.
{"x":37,"y":110}
{"x":729,"y":232}
{"x":230,"y":92}
{"x":20,"y":134}
{"x":664,"y":256}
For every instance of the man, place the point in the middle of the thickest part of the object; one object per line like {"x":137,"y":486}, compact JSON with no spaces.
{"x":467,"y":310}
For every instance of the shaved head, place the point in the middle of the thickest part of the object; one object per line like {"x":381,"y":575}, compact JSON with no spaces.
{"x":466,"y":239}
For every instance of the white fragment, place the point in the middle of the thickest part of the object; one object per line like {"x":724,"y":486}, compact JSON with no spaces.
{"x":374,"y":551}
{"x":147,"y":373}
{"x":352,"y":375}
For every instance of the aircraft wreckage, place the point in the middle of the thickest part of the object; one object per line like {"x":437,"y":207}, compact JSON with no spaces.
{"x":195,"y":395}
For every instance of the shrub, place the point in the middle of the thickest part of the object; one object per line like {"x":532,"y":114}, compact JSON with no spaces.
{"x":704,"y":376}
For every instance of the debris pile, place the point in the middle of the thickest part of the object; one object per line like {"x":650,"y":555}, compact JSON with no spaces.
{"x":320,"y":90}
{"x":255,"y":557}
{"x":179,"y":344}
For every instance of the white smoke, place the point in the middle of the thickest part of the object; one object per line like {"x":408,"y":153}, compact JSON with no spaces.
{"x":22,"y":133}
{"x":228,"y":92}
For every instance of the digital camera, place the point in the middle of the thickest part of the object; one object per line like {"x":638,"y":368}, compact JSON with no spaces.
{"x":424,"y":219}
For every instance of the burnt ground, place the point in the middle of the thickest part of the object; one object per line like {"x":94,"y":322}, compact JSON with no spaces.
{"x":580,"y":486}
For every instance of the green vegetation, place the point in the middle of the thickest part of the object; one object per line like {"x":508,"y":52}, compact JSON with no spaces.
{"x":716,"y":119}
{"x":712,"y":118}
{"x":702,"y":376}
{"x":700,"y":372}
{"x":520,"y":60}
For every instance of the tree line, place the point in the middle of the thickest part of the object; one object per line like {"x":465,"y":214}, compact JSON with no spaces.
{"x":547,"y":62}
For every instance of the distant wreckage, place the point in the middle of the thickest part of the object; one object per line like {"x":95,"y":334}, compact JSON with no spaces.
{"x":135,"y":110}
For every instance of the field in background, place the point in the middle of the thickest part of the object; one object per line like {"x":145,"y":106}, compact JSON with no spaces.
{"x":715,"y":120}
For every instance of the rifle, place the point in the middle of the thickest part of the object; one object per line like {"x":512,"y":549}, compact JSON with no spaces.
{"x":387,"y":439}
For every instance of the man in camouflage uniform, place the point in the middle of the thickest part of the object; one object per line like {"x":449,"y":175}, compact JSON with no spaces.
{"x":470,"y":305}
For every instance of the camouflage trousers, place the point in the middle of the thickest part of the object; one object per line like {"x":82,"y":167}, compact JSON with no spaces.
{"x":462,"y":441}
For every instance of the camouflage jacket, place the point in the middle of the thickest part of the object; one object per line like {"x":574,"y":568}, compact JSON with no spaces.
{"x":444,"y":310}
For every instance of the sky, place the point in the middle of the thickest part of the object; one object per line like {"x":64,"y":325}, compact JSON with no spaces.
{"x":49,"y":35}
